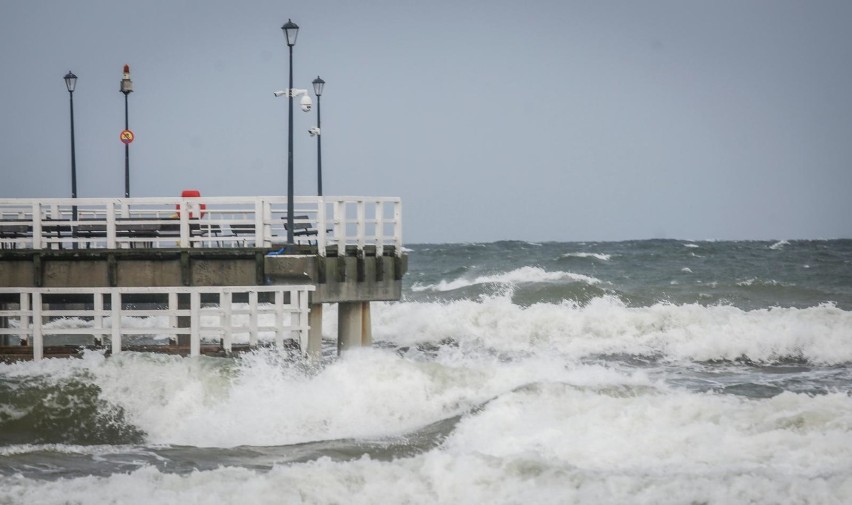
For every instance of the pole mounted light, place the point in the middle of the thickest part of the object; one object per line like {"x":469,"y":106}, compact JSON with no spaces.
{"x":71,"y":84}
{"x":318,"y":85}
{"x":291,"y":31}
{"x":126,"y":88}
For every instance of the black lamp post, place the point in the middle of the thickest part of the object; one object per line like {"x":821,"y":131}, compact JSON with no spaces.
{"x":291,"y":30}
{"x":126,"y":88}
{"x":71,"y":83}
{"x":318,"y":85}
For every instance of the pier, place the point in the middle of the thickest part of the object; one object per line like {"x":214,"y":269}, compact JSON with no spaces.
{"x":193,"y":272}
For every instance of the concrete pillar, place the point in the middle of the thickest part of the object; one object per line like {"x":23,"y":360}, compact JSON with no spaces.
{"x":314,"y":350}
{"x":366,"y":325}
{"x":349,"y":326}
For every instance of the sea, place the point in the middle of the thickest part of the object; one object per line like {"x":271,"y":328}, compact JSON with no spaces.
{"x":637,"y":372}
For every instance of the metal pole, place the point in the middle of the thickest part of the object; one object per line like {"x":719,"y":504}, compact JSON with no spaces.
{"x":290,"y":208}
{"x":319,"y":150}
{"x":73,"y":170}
{"x":73,"y":161}
{"x":126,"y":154}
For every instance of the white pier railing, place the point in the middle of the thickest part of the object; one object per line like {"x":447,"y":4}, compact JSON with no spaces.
{"x":183,"y":222}
{"x":220,"y":313}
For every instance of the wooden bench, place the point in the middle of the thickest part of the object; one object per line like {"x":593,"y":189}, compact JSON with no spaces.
{"x":196,"y":229}
{"x":303,"y":228}
{"x":14,"y":232}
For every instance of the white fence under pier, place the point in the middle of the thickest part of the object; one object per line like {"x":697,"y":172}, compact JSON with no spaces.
{"x":119,"y":223}
{"x":109,"y":314}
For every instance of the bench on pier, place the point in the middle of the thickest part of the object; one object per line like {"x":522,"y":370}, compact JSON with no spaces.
{"x":196,"y":229}
{"x":97,"y":229}
{"x":23,"y":229}
{"x":9,"y":233}
{"x":302,"y":227}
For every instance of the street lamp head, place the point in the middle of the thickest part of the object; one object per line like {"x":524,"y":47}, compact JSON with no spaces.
{"x":291,"y":30}
{"x":318,"y":84}
{"x":70,"y":81}
{"x":126,"y":83}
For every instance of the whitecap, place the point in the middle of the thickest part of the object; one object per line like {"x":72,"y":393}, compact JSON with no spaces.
{"x":597,"y":256}
{"x":517,"y":276}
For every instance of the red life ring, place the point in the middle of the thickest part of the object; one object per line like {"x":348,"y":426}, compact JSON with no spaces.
{"x":192,"y":193}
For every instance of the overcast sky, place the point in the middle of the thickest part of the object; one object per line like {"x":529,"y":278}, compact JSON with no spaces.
{"x":538,"y":120}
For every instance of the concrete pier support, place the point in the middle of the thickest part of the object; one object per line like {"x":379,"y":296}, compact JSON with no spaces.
{"x":354,"y":326}
{"x":366,"y":325}
{"x":314,"y":350}
{"x":349,"y":326}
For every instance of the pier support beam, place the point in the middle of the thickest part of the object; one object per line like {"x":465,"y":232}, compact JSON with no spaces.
{"x":314,"y":350}
{"x":349,"y":326}
{"x":354,"y":325}
{"x":366,"y":325}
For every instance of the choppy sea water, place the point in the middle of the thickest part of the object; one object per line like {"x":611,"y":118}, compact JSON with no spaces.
{"x":662,"y":372}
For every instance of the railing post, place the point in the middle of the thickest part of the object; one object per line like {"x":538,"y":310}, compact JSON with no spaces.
{"x":98,"y":319}
{"x":361,"y":225}
{"x":26,"y":316}
{"x":195,"y":323}
{"x":299,"y":319}
{"x":184,"y":223}
{"x":225,"y":301}
{"x":279,"y":320}
{"x":267,"y":224}
{"x":38,"y":337}
{"x":259,"y":211}
{"x":115,"y":320}
{"x":340,"y":225}
{"x":397,"y":229}
{"x":252,"y":318}
{"x":321,"y":227}
{"x":380,"y":228}
{"x":37,"y":226}
{"x":110,"y":226}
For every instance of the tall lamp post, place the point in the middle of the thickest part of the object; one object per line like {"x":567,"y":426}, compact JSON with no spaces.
{"x":71,"y":83}
{"x":291,"y":31}
{"x":126,"y":88}
{"x":318,"y":85}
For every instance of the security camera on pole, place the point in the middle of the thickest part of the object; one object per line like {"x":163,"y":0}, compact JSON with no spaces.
{"x":291,"y":31}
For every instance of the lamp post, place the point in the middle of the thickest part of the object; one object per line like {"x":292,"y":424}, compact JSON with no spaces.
{"x":71,"y":83}
{"x":318,"y":85}
{"x":291,"y":31}
{"x":126,"y":88}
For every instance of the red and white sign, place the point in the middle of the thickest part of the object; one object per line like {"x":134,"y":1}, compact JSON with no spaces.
{"x":126,"y":136}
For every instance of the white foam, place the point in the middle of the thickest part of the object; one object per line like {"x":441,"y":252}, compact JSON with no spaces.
{"x":514,"y":277}
{"x":597,"y":256}
{"x":606,"y":325}
{"x":779,"y":245}
{"x":549,"y":443}
{"x":266,"y":402}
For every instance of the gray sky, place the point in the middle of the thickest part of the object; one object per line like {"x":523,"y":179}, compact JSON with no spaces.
{"x":539,"y":120}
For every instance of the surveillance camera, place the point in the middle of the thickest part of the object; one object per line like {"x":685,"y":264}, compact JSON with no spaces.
{"x":306,"y":103}
{"x":314,"y":131}
{"x":279,"y":93}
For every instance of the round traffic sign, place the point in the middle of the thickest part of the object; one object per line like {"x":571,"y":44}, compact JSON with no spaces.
{"x":126,"y":136}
